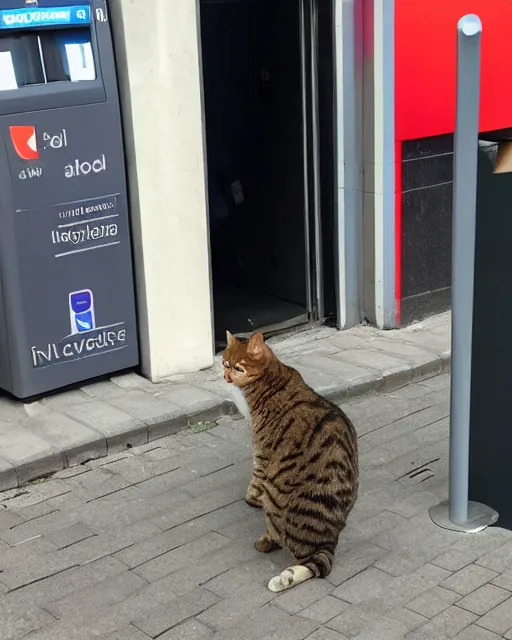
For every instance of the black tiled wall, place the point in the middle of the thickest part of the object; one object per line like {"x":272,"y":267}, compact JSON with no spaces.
{"x":427,"y":183}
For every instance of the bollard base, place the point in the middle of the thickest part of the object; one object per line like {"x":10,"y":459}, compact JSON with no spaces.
{"x":480,"y":516}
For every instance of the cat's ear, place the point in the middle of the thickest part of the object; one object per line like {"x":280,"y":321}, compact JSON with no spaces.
{"x":256,"y":345}
{"x":230,"y":338}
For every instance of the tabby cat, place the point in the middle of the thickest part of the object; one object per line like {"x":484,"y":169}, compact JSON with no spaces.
{"x":305,"y":466}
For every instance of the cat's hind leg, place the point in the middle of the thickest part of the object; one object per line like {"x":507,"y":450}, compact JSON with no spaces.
{"x":318,"y":565}
{"x":266,"y":543}
{"x":271,"y":539}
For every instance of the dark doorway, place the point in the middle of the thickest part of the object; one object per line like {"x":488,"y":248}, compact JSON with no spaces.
{"x":264,"y":158}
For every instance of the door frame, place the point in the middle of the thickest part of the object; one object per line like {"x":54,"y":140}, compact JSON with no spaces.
{"x":313,"y":239}
{"x":308,"y":12}
{"x":349,"y":217}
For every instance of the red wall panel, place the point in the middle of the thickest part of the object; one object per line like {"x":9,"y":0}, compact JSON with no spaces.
{"x":425,"y":65}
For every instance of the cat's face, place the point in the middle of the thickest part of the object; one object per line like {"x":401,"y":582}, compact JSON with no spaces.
{"x":245,"y":360}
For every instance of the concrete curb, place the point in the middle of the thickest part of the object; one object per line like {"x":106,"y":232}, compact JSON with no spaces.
{"x":393,"y":380}
{"x":41,"y":459}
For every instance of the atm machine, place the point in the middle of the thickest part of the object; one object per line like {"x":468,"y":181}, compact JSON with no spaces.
{"x":67,"y":303}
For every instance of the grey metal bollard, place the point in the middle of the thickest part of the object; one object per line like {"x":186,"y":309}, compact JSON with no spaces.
{"x":458,"y":513}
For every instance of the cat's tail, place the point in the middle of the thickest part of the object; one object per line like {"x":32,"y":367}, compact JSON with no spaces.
{"x":318,"y":565}
{"x":321,"y":563}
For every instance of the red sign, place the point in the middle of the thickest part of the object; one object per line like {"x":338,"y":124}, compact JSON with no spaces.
{"x":25,"y":142}
{"x":426,"y":60}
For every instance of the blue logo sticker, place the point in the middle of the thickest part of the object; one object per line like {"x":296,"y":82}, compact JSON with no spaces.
{"x":81,"y":311}
{"x":47,"y":17}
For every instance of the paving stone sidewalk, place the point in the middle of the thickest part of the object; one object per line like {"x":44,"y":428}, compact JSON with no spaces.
{"x":157,"y":542}
{"x":107,"y":417}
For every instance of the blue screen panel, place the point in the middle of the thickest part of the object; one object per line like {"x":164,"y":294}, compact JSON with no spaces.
{"x":45,"y":17}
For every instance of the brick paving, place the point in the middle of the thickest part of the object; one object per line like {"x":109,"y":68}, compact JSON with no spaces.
{"x":157,"y":542}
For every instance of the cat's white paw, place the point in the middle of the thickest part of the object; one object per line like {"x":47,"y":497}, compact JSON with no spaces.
{"x":289,"y":578}
{"x":281,"y":582}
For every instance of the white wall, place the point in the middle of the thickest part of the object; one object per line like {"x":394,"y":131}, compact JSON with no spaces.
{"x":379,"y":163}
{"x":349,"y":113}
{"x":158,"y":59}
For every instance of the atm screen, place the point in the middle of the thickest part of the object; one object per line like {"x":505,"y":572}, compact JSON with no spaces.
{"x":68,"y":55}
{"x":7,"y":75}
{"x":39,"y":46}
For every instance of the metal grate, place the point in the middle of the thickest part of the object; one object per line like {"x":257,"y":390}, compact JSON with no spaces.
{"x":420,"y":474}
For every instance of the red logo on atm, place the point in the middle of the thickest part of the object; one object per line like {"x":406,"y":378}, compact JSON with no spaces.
{"x":25,"y":142}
